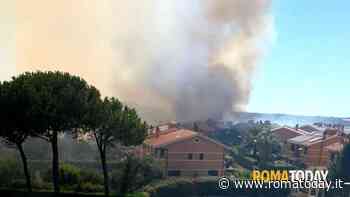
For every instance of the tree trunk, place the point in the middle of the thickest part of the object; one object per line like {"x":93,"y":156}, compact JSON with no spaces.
{"x":105,"y":170}
{"x":25,"y":167}
{"x":55,"y":163}
{"x":125,"y":179}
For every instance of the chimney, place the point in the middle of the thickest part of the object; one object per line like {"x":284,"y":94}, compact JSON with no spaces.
{"x":172,"y":124}
{"x":297,"y":127}
{"x":195,"y":127}
{"x":150,"y":131}
{"x":157,"y":132}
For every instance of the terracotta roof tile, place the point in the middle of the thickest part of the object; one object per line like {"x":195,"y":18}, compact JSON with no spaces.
{"x":285,"y":133}
{"x":305,"y":140}
{"x":170,"y":137}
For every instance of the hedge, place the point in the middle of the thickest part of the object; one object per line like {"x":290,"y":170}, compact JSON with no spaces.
{"x":12,"y":193}
{"x":204,"y":187}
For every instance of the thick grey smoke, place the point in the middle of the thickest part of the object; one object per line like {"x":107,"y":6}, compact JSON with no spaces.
{"x":196,"y":57}
{"x":183,"y":59}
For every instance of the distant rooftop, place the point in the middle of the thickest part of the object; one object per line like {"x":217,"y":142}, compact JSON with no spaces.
{"x":306,"y":139}
{"x":299,"y":131}
{"x":310,"y":128}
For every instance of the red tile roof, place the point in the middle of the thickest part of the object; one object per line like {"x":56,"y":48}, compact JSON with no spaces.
{"x":285,"y":133}
{"x":306,"y":140}
{"x":175,"y":135}
{"x":298,"y":131}
{"x":309,"y":128}
{"x":170,"y":137}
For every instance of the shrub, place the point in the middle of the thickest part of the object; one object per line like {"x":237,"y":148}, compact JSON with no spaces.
{"x":240,"y":173}
{"x":18,"y":183}
{"x":135,"y":173}
{"x":89,"y":187}
{"x":116,"y":176}
{"x":91,"y":176}
{"x":204,"y":187}
{"x":42,"y":185}
{"x":245,"y":161}
{"x":9,"y":170}
{"x":138,"y":194}
{"x":69,"y":175}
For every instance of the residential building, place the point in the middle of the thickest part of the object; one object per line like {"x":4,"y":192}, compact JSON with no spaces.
{"x":283,"y":134}
{"x":183,"y":152}
{"x":316,"y":150}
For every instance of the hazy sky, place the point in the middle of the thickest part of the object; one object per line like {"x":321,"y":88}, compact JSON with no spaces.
{"x":7,"y":39}
{"x":306,"y":70}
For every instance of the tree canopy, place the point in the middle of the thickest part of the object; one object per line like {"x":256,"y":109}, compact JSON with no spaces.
{"x":110,"y":122}
{"x":339,"y":169}
{"x":15,"y":119}
{"x":45,"y":104}
{"x":58,"y":102}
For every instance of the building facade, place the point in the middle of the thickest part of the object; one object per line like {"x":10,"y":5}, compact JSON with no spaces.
{"x":183,"y":152}
{"x":316,"y":150}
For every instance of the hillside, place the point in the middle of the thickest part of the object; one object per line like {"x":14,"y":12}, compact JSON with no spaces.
{"x":287,"y":119}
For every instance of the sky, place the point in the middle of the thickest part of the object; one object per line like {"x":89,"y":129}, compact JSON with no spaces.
{"x":306,"y":70}
{"x":7,"y":40}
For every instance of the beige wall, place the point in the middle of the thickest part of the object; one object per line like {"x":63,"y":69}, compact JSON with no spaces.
{"x":178,"y":157}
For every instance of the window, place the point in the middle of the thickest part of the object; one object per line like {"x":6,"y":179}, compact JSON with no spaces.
{"x":213,"y":173}
{"x":174,"y":173}
{"x":201,"y":156}
{"x":162,"y":153}
{"x":157,"y":153}
{"x":293,"y":147}
{"x":332,"y":156}
{"x":190,"y":156}
{"x":196,"y":140}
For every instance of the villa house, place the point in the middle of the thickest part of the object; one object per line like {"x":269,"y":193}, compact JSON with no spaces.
{"x":283,"y":134}
{"x":316,"y":150}
{"x":184,"y":152}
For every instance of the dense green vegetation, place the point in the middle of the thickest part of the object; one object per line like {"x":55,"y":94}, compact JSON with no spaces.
{"x":252,"y":146}
{"x":204,"y":187}
{"x":47,"y":105}
{"x":339,"y":169}
{"x":13,"y":193}
{"x":79,"y":177}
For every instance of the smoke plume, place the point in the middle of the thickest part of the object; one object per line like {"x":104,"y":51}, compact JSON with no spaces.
{"x":189,"y":60}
